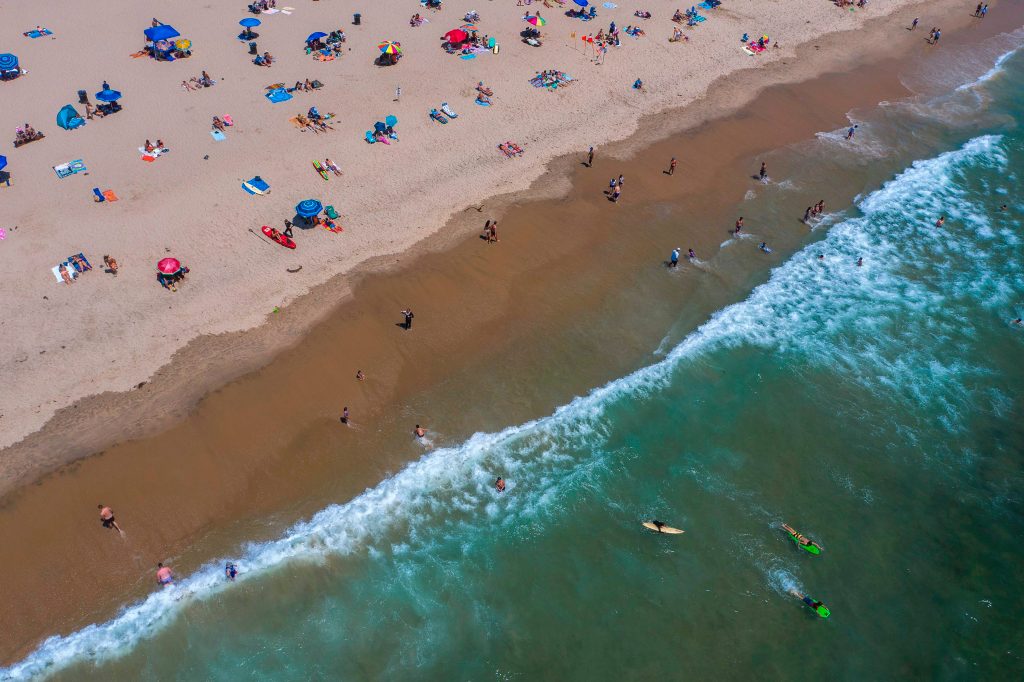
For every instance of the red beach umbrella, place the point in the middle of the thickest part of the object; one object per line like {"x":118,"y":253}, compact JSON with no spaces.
{"x":169,"y":266}
{"x":456,"y":35}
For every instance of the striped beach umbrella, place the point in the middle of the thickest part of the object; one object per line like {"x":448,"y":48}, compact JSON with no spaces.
{"x":183,"y":44}
{"x":8,"y":62}
{"x":390,"y":47}
{"x":537,"y":21}
{"x":308,"y":208}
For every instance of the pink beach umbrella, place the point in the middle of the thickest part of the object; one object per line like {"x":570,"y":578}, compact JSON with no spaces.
{"x":169,"y":266}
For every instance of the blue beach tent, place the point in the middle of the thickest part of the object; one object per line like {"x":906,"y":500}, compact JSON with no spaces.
{"x":69,"y":119}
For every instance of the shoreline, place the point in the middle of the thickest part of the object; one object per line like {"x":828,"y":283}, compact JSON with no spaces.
{"x":360,"y":470}
{"x":81,"y":428}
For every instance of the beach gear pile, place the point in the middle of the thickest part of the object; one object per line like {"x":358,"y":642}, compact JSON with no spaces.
{"x":70,"y":168}
{"x":383,"y":131}
{"x":551,"y":79}
{"x":325,"y":46}
{"x":160,"y":47}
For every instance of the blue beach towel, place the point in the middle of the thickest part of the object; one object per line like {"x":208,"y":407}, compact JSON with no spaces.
{"x":256,"y":185}
{"x":218,"y":136}
{"x":39,"y":34}
{"x":468,"y":56}
{"x":278,"y":95}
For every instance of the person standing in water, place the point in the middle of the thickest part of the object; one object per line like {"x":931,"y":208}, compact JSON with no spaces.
{"x":590,"y":158}
{"x":107,"y":518}
{"x":673,"y":259}
{"x":499,"y":485}
{"x":739,"y":227}
{"x":691,"y":254}
{"x":763,"y":173}
{"x":672,"y":166}
{"x":344,"y":416}
{"x":419,"y":431}
{"x":940,"y":222}
{"x":851,"y":132}
{"x":164,"y":575}
{"x":807,"y":214}
{"x":230,"y":571}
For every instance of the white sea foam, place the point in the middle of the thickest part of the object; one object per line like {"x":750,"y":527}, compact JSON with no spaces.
{"x":806,"y":307}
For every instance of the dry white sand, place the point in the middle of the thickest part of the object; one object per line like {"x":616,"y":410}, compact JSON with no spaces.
{"x":61,"y":343}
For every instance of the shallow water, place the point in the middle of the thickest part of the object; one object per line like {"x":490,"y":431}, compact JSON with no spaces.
{"x":875,"y":408}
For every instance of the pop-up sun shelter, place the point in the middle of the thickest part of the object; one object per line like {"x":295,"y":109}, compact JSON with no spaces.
{"x":69,"y":119}
{"x":161,"y":32}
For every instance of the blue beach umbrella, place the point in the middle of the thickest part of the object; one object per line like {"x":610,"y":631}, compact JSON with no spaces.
{"x":309,"y":208}
{"x":8,"y":62}
{"x":316,"y":36}
{"x":108,"y":95}
{"x":3,"y":162}
{"x":581,"y":3}
{"x":249,"y":22}
{"x":161,"y":32}
{"x":391,"y":121}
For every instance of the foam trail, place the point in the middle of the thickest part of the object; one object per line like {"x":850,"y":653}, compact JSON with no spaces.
{"x":799,"y":309}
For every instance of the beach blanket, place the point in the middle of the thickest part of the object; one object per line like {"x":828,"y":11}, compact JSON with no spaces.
{"x":150,"y":157}
{"x":218,"y":136}
{"x":70,"y":168}
{"x":109,"y":195}
{"x":38,"y":34}
{"x":754,"y":47}
{"x":72,"y":270}
{"x":256,"y":185}
{"x":278,"y":95}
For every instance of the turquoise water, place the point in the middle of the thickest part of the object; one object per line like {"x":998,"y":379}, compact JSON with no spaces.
{"x":875,"y":408}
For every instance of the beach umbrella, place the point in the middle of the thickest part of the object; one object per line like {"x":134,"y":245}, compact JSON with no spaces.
{"x":390,"y":120}
{"x":161,"y":32}
{"x":168,"y":266}
{"x":250,"y":22}
{"x":456,"y":36}
{"x":8,"y":62}
{"x":183,"y":44}
{"x":3,"y":162}
{"x":308,"y":208}
{"x":537,"y":21}
{"x":317,"y":35}
{"x":108,"y":95}
{"x":379,"y":127}
{"x":581,"y":3}
{"x":390,"y":47}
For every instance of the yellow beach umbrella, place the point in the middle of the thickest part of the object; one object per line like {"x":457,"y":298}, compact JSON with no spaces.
{"x":183,"y":44}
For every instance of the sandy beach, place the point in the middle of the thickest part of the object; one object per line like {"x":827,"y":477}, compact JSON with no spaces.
{"x":107,"y":335}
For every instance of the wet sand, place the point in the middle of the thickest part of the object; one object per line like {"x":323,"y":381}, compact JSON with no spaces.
{"x":503,"y":333}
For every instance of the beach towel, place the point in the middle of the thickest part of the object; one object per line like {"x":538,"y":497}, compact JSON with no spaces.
{"x":483,"y":104}
{"x":468,"y":56}
{"x":754,"y":47}
{"x":70,"y":168}
{"x":150,"y":157}
{"x":38,"y":34}
{"x":227,"y":120}
{"x":256,"y":185}
{"x":278,"y":95}
{"x":3,"y":234}
{"x":218,"y":136}
{"x":109,"y":195}
{"x":56,"y":272}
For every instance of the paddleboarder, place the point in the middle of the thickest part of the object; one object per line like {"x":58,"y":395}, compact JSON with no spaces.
{"x":800,"y":539}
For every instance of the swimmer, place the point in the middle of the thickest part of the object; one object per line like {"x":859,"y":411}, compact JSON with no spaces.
{"x":419,"y":431}
{"x":808,"y":213}
{"x":1017,"y":322}
{"x":764,"y":247}
{"x":359,"y":375}
{"x":860,"y":262}
{"x":691,"y":254}
{"x":940,"y":222}
{"x":107,"y":518}
{"x":499,"y":485}
{"x":164,"y":575}
{"x":230,"y":571}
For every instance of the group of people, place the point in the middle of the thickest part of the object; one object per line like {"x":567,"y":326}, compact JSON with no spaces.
{"x":158,"y":147}
{"x":78,"y":265}
{"x":262,"y":6}
{"x":483,"y":94}
{"x":814,"y":211}
{"x":25,"y":134}
{"x":981,"y":10}
{"x":221,"y":124}
{"x":265,"y":59}
{"x":673,"y":258}
{"x":198,"y":82}
{"x":306,"y":86}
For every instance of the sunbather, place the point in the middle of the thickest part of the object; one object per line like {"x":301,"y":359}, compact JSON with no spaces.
{"x":331,"y":166}
{"x":149,"y":146}
{"x":64,"y":274}
{"x":218,"y":124}
{"x":80,"y":263}
{"x":483,"y":99}
{"x":484,"y":90}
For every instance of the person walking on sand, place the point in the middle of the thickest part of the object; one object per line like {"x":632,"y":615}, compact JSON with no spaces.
{"x":984,"y":11}
{"x":407,"y":315}
{"x":672,"y":166}
{"x":977,"y":10}
{"x":590,"y":158}
{"x":164,"y":575}
{"x":914,"y":23}
{"x":616,"y":193}
{"x":107,"y":518}
{"x":288,"y":228}
{"x":622,"y":180}
{"x":492,"y":233}
{"x":344,"y":416}
{"x":398,"y":93}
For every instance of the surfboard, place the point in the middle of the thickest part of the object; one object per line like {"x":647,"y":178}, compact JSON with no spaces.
{"x":321,"y":170}
{"x":668,"y":530}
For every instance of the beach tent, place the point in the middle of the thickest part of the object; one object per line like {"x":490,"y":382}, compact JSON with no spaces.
{"x":108,"y":95}
{"x":161,"y":32}
{"x":69,"y":119}
{"x":8,"y":63}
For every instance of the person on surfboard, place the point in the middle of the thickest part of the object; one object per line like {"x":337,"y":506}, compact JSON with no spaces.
{"x":816,"y":606}
{"x":658,"y":524}
{"x":801,"y":539}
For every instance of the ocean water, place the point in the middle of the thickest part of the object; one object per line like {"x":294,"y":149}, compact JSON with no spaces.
{"x":875,"y":407}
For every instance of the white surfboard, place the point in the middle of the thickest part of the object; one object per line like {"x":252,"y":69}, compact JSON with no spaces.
{"x":668,"y":530}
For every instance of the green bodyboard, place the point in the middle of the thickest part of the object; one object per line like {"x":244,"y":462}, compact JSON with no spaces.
{"x":823,"y":611}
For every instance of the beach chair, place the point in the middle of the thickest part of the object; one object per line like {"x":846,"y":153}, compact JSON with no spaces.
{"x":99,"y":195}
{"x":448,"y":111}
{"x":331,"y":213}
{"x":369,"y":137}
